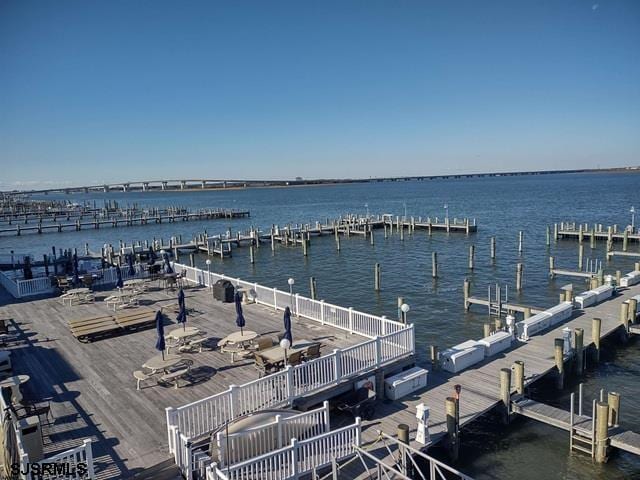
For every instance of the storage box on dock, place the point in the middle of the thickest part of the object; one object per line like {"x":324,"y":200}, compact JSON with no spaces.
{"x":631,"y":278}
{"x":560,"y":312}
{"x":603,"y":292}
{"x":404,"y":383}
{"x":586,"y":299}
{"x":459,"y":357}
{"x":496,"y":342}
{"x":533,"y":325}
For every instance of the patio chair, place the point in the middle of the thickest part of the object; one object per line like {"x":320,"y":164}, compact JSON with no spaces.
{"x":263,"y":343}
{"x":295,"y":359}
{"x":312,"y":352}
{"x":63,"y":284}
{"x":264,"y":368}
{"x":170,"y":283}
{"x":4,"y":328}
{"x":87,"y":281}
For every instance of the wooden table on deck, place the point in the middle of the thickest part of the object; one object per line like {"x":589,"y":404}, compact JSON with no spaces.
{"x":276,"y":354}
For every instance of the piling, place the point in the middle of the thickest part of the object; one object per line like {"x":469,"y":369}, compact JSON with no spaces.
{"x":486,"y":329}
{"x":251,"y":255}
{"x":527,"y":312}
{"x":518,"y":373}
{"x":337,"y":243}
{"x":498,"y":324}
{"x":548,"y":236}
{"x":624,"y":319}
{"x":519,"y":277}
{"x":633,"y":310}
{"x":602,"y":432}
{"x":580,"y":234}
{"x":596,"y":325}
{"x":434,"y":265}
{"x":552,"y":266}
{"x":400,"y":303}
{"x":305,"y":246}
{"x":192,"y":260}
{"x":401,"y":227}
{"x":451,"y":408}
{"x":613,"y":399}
{"x":555,"y":232}
{"x":403,"y":433}
{"x":580,"y":256}
{"x":505,"y":393}
{"x":371,"y":237}
{"x":520,"y":241}
{"x":558,"y":346}
{"x":592,"y":239}
{"x":313,"y":288}
{"x":493,"y":248}
{"x":625,"y":240}
{"x":472,"y":251}
{"x":433,"y":350}
{"x":578,"y":340}
{"x":618,"y":277}
{"x":376,"y":277}
{"x":466,"y":289}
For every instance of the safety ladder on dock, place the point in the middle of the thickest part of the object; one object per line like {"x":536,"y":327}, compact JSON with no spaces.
{"x":582,"y":430}
{"x":495,"y":300}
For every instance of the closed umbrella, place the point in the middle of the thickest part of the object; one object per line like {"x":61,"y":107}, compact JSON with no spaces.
{"x":160,"y":330}
{"x":76,"y":278}
{"x":132,"y":271}
{"x":167,"y":264}
{"x":239,"y":317}
{"x":182,"y":310}
{"x":287,"y":325}
{"x":119,"y":283}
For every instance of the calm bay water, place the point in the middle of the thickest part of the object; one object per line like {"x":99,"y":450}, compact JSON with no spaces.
{"x":501,"y":205}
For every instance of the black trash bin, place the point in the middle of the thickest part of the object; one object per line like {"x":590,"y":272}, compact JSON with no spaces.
{"x":223,"y":291}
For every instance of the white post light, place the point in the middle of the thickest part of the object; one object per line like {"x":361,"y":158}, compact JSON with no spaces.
{"x":208,"y":262}
{"x":405,"y":309}
{"x":291,"y":281}
{"x":285,"y":344}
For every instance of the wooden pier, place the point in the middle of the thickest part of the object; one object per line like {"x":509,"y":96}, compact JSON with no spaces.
{"x":480,"y":385}
{"x":124,"y":221}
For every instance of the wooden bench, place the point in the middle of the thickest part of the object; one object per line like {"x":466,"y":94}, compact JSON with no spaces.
{"x":88,"y":321}
{"x":137,"y":318}
{"x":85,"y":332}
{"x":174,"y":376}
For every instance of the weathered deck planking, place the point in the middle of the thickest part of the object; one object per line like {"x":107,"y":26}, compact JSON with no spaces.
{"x":94,"y":392}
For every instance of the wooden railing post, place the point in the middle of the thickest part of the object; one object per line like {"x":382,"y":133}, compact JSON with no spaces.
{"x":378,"y":352}
{"x":322,"y":312}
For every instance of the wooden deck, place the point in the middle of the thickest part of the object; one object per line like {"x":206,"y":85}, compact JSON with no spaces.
{"x":94,"y":392}
{"x":481,"y":384}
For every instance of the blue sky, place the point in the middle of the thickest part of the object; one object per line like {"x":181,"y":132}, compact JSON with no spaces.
{"x":93,"y":91}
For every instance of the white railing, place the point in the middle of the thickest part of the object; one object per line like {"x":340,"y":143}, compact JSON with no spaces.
{"x":9,"y":285}
{"x":390,"y":341}
{"x":35,"y":286}
{"x":347,"y":319}
{"x":252,"y":442}
{"x":297,"y":459}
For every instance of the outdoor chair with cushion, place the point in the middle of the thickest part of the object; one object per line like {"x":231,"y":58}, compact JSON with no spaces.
{"x":263,"y":343}
{"x":263,"y":366}
{"x":63,"y":284}
{"x":312,"y":352}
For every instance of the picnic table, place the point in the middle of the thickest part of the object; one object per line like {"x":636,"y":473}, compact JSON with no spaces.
{"x":242,"y":337}
{"x":276,"y":354}
{"x":159,"y":363}
{"x":14,"y":383}
{"x":181,"y":335}
{"x":77,"y":295}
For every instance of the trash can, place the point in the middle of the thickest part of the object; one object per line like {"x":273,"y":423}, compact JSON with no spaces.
{"x":223,"y":291}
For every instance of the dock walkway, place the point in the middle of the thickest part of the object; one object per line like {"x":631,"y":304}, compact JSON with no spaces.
{"x":481,"y":384}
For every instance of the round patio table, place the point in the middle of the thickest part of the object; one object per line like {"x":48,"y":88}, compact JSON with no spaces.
{"x":158,"y":363}
{"x":242,"y":337}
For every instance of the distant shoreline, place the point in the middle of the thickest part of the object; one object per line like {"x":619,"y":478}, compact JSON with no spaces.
{"x":196,"y":185}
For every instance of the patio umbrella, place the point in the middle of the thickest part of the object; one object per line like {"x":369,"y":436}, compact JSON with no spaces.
{"x":240,"y":317}
{"x":182,"y":313}
{"x":287,"y":325}
{"x":160,"y":330}
{"x":76,"y":278}
{"x":167,"y":264}
{"x":132,"y":271}
{"x":119,"y":283}
{"x":9,"y":452}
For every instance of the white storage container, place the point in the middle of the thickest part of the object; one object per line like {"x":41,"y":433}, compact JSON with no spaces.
{"x":496,"y":343}
{"x":533,"y":325}
{"x":603,"y":292}
{"x":586,"y":299}
{"x":404,"y":383}
{"x":456,"y":359}
{"x":560,"y":312}
{"x":631,"y":278}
